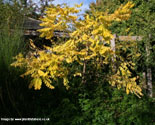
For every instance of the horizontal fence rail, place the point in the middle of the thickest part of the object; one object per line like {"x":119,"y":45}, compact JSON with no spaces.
{"x":63,"y":34}
{"x":130,"y":38}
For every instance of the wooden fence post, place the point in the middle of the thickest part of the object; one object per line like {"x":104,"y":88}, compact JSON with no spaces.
{"x":113,"y":48}
{"x":144,"y":81}
{"x":149,"y":71}
{"x":112,"y":44}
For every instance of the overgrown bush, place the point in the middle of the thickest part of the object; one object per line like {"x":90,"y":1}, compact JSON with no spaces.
{"x":115,"y":107}
{"x":94,"y":105}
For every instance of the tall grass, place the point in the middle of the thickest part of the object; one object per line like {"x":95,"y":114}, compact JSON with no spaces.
{"x":11,"y":43}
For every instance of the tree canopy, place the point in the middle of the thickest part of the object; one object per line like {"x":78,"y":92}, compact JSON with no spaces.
{"x":89,"y":44}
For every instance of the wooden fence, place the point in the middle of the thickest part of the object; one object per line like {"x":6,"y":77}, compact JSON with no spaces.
{"x":147,"y":76}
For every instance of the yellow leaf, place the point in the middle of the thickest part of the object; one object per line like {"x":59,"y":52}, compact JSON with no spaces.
{"x":65,"y":80}
{"x":84,"y":37}
{"x":127,"y":91}
{"x":36,"y":82}
{"x":41,"y":73}
{"x":78,"y":5}
{"x":95,"y":32}
{"x":77,"y":74}
{"x":48,"y":83}
{"x":32,"y":44}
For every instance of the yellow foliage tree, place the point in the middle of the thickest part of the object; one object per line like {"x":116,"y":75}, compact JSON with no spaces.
{"x":89,"y":41}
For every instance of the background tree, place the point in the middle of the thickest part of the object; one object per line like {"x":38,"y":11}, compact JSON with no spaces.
{"x":34,"y":8}
{"x":141,"y":23}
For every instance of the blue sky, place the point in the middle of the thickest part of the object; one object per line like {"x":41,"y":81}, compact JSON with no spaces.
{"x":72,"y":2}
